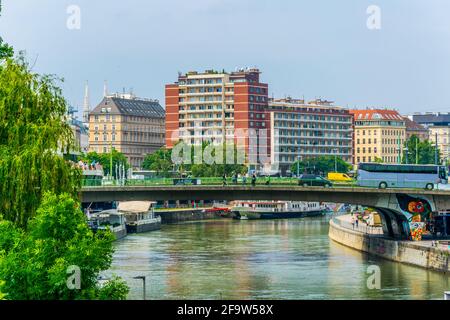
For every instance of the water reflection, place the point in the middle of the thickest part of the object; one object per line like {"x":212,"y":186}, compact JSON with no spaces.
{"x":272,"y":259}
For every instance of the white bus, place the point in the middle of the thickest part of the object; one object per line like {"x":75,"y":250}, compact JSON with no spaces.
{"x":401,"y":175}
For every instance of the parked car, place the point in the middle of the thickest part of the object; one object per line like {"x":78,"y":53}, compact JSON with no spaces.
{"x":339,"y":177}
{"x":307,"y":180}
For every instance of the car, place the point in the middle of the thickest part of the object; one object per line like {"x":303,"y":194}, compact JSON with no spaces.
{"x":339,"y":177}
{"x":307,"y":180}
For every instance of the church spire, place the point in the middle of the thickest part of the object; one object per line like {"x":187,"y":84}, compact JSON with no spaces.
{"x":86,"y":105}
{"x":105,"y":89}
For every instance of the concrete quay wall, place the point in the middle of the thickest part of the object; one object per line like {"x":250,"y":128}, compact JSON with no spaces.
{"x":412,"y":253}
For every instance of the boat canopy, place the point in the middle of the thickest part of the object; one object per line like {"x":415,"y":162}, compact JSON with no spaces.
{"x":135,"y":206}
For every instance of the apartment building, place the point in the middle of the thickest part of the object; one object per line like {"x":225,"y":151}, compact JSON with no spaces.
{"x":212,"y":106}
{"x":438,"y":125}
{"x":131,"y":125}
{"x":302,"y":130}
{"x":415,"y":129}
{"x":378,"y":134}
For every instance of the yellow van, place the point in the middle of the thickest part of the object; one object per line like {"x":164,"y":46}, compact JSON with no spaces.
{"x":340,"y":177}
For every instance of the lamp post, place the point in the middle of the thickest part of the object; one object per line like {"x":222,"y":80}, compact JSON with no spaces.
{"x":299,"y":158}
{"x":143,"y":284}
{"x":335,"y":159}
{"x":406,"y":154}
{"x":436,"y":150}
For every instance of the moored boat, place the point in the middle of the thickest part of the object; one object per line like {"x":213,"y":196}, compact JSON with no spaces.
{"x":251,"y":210}
{"x":109,"y":219}
{"x":139,"y":216}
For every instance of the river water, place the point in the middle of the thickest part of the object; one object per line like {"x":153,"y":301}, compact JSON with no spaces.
{"x":261,"y":259}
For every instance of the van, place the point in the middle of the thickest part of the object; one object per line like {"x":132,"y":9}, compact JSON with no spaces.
{"x":341,"y":177}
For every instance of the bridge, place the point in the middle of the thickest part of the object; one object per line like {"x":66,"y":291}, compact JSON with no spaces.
{"x":396,"y":206}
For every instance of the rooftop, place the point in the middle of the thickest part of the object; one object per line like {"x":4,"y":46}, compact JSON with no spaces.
{"x":376,"y":114}
{"x":129,"y":105}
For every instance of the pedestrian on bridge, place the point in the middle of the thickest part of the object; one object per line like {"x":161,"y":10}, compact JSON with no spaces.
{"x":253,"y":179}
{"x":224,"y":180}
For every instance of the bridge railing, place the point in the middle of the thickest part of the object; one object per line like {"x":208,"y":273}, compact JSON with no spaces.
{"x":230,"y":181}
{"x":361,"y":227}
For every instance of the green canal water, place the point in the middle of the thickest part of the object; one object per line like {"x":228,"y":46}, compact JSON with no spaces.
{"x":264,"y":259}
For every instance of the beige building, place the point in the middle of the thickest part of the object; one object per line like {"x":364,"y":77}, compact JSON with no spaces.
{"x":378,"y":134}
{"x":133,"y":126}
{"x":443,"y":141}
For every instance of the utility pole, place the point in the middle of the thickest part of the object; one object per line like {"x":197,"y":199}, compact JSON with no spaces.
{"x":417,"y":150}
{"x":335,"y":159}
{"x":407,"y":154}
{"x":111,"y":160}
{"x":436,"y":150}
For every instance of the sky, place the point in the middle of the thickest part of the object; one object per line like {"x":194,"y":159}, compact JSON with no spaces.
{"x":312,"y":49}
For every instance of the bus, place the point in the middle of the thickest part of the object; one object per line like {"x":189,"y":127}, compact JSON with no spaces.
{"x":401,"y":175}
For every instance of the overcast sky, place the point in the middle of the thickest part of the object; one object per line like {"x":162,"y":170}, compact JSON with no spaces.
{"x":304,"y":48}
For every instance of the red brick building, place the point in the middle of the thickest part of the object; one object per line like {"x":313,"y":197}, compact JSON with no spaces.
{"x":218,"y":107}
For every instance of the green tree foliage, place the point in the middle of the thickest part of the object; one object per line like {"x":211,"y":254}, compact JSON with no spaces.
{"x":104,"y":159}
{"x":424,"y":150}
{"x":5,"y":50}
{"x":159,"y":161}
{"x":34,"y":264}
{"x":33,"y":136}
{"x":322,"y":164}
{"x":378,"y":160}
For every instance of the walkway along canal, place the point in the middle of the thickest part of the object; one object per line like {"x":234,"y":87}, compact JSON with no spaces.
{"x":417,"y":253}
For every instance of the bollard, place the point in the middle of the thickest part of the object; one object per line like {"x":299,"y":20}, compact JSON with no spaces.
{"x":447,"y":295}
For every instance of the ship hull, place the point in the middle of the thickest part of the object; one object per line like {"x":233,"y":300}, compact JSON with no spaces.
{"x":255,"y":215}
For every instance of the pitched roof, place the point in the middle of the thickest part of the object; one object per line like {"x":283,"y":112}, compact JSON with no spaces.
{"x":376,"y":114}
{"x":132,"y":107}
{"x":413,"y":126}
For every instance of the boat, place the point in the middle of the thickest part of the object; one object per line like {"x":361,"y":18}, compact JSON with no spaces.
{"x":251,"y":210}
{"x":109,"y":219}
{"x":139,"y":216}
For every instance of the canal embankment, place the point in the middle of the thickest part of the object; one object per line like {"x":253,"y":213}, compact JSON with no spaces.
{"x":371,"y":241}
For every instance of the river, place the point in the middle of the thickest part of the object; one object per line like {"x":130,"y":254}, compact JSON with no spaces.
{"x":261,"y":259}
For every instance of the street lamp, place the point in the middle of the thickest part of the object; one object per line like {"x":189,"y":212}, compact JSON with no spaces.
{"x":406,"y":149}
{"x":299,"y":158}
{"x":143,"y":283}
{"x":335,"y":159}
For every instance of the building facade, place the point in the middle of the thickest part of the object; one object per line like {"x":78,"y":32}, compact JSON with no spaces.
{"x":415,"y":129}
{"x":217,"y":107}
{"x":131,"y":125}
{"x":379,"y":135}
{"x":438,"y":125}
{"x":301,"y":130}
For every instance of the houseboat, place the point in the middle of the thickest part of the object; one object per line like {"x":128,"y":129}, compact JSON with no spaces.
{"x":139,"y":216}
{"x":109,"y":219}
{"x":244,"y":210}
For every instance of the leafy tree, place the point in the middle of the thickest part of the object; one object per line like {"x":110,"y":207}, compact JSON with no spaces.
{"x":424,"y":150}
{"x":322,"y":164}
{"x":5,"y":50}
{"x":159,"y":161}
{"x":34,"y":264}
{"x":33,"y":135}
{"x":378,"y":160}
{"x":104,"y":159}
